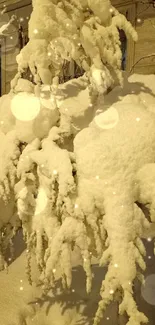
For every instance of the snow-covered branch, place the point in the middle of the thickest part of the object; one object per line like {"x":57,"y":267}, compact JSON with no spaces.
{"x":4,"y":28}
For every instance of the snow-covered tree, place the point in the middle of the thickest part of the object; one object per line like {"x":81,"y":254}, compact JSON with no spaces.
{"x":67,"y":187}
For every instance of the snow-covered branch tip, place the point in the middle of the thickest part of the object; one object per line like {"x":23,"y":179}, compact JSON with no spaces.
{"x":4,"y":28}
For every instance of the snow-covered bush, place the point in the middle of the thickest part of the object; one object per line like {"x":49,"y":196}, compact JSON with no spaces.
{"x":75,"y":183}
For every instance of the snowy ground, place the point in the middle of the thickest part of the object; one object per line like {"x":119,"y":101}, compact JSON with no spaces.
{"x":21,"y":304}
{"x":20,"y":301}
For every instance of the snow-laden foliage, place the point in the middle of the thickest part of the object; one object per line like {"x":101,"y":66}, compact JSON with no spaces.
{"x":84,"y":31}
{"x":70,"y":183}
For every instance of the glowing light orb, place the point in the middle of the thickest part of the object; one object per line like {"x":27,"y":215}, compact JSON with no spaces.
{"x":108,"y":119}
{"x":35,"y":31}
{"x":148,"y":290}
{"x":21,"y":288}
{"x":25,"y":106}
{"x":116,"y":265}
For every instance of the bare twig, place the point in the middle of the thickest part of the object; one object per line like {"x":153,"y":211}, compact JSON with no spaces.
{"x":3,"y":11}
{"x":142,"y":58}
{"x":153,"y":25}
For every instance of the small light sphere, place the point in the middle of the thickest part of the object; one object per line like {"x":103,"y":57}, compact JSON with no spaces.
{"x":114,"y":193}
{"x":111,"y":10}
{"x":35,"y":31}
{"x":21,"y":288}
{"x":116,"y":265}
{"x":2,"y":122}
{"x":21,"y":19}
{"x":79,"y":44}
{"x":11,"y":37}
{"x":54,"y":270}
{"x":97,"y":177}
{"x":76,"y":206}
{"x":42,"y":166}
{"x":85,"y":260}
{"x":27,"y":17}
{"x":9,"y":259}
{"x":20,"y":104}
{"x":73,"y":290}
{"x":21,"y":281}
{"x":149,"y":257}
{"x":55,"y":172}
{"x":49,"y":54}
{"x":139,"y":20}
{"x":90,"y":105}
{"x":111,"y":291}
{"x":67,"y":24}
{"x":149,"y":239}
{"x":137,"y":119}
{"x":107,"y":318}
